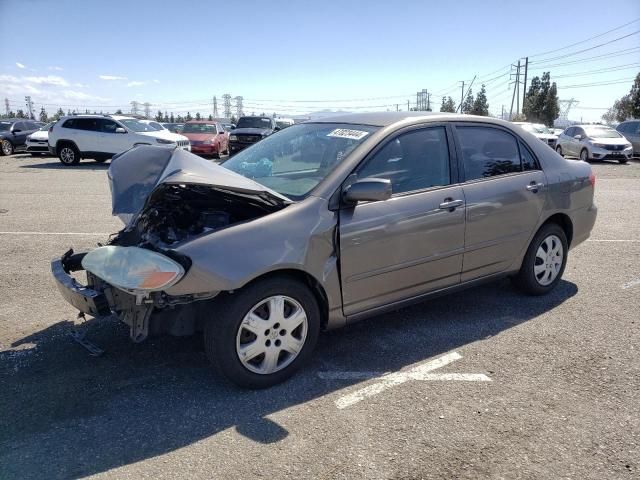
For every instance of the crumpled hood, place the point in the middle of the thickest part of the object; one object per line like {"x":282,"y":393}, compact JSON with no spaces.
{"x":251,"y":131}
{"x":136,"y":173}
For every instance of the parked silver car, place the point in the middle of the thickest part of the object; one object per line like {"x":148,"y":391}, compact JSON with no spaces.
{"x":594,"y":142}
{"x":326,"y":223}
{"x":631,"y":131}
{"x":540,"y":131}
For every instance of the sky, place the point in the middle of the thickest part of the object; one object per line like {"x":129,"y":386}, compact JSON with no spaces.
{"x":298,"y":57}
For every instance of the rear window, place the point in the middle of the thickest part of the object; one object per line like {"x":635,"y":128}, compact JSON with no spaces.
{"x":254,"y":122}
{"x":199,"y":128}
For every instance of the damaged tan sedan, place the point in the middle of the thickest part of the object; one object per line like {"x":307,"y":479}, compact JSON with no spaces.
{"x":325,"y":223}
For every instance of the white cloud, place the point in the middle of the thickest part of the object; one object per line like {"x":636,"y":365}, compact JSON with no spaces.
{"x":111,"y":77}
{"x":155,"y":80}
{"x":20,"y":65}
{"x":81,"y":85}
{"x":51,"y":80}
{"x":57,"y":69}
{"x":135,"y":83}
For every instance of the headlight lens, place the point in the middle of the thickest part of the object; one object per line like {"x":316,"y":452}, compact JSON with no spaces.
{"x":233,"y":138}
{"x":207,"y":142}
{"x":132,"y":268}
{"x":628,"y":146}
{"x":164,"y":142}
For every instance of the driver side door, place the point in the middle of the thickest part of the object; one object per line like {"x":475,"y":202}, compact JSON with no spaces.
{"x":413,"y":243}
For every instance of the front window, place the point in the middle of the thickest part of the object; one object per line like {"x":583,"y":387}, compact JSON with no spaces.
{"x":602,"y":133}
{"x":254,"y":122}
{"x":137,"y":126}
{"x":199,"y":128}
{"x":292,"y":162}
{"x":47,"y":126}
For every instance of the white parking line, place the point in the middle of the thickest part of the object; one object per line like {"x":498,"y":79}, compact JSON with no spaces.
{"x":420,"y":372}
{"x":615,"y":240}
{"x":57,"y":233}
{"x":630,"y":284}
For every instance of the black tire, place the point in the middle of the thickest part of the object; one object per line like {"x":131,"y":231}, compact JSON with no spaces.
{"x":526,"y":279}
{"x":222,"y":329}
{"x":586,"y":155}
{"x":623,"y":161}
{"x":68,"y":154}
{"x":559,"y":150}
{"x":6,"y":147}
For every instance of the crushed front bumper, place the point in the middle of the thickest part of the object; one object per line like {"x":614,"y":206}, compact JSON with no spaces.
{"x":85,"y":299}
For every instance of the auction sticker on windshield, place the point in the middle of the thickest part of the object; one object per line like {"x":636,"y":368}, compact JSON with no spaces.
{"x":348,"y":133}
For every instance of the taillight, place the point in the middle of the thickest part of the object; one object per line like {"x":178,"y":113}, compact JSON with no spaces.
{"x":592,"y":179}
{"x":51,"y":129}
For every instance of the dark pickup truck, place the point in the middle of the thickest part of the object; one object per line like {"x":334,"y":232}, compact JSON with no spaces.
{"x":250,"y":130}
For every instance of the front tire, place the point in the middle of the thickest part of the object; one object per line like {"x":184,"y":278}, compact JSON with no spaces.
{"x":262,"y":334}
{"x":559,"y":150}
{"x":544,"y":262}
{"x":584,"y":155}
{"x":7,"y":148}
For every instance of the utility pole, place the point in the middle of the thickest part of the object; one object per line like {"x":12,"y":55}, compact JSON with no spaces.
{"x":518,"y":88}
{"x":6,"y":106}
{"x":226,"y":99}
{"x":215,"y":107}
{"x":461,"y":98}
{"x":524,"y":86}
{"x":27,"y":100}
{"x":515,"y":87}
{"x":502,"y":114}
{"x":408,"y":108}
{"x":134,"y":107}
{"x":397,"y":107}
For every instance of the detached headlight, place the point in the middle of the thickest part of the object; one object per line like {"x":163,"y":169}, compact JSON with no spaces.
{"x":599,"y":145}
{"x":233,"y":138}
{"x":132,"y":268}
{"x":164,"y":142}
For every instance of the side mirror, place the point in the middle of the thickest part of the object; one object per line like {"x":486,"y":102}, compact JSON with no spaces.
{"x":368,"y":190}
{"x":120,"y":130}
{"x":16,"y":130}
{"x":578,"y":137}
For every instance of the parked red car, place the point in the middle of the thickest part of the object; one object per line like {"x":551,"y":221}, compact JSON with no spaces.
{"x":207,"y":138}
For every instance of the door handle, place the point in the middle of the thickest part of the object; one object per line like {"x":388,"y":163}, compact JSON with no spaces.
{"x":534,"y":187}
{"x":450,"y":204}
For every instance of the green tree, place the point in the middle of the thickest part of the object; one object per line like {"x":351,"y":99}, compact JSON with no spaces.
{"x":20,"y":114}
{"x":480,"y":105}
{"x":198,"y":117}
{"x":159,"y":116}
{"x":467,"y":105}
{"x":210,"y":118}
{"x":233,"y":119}
{"x":448,"y":105}
{"x":118,"y":112}
{"x":188,"y":117}
{"x":172,"y":118}
{"x":166,"y":117}
{"x":43,"y":115}
{"x":179,"y":119}
{"x":626,"y":107}
{"x":59,"y":114}
{"x":11,"y":114}
{"x":541,"y":103}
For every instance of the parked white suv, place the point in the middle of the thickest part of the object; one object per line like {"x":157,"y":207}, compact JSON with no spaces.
{"x":101,"y":137}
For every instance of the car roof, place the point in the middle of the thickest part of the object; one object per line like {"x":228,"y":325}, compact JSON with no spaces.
{"x":202,"y":121}
{"x":384,"y":119}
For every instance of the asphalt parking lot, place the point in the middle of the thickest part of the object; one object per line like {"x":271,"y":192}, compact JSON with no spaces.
{"x":486,"y":383}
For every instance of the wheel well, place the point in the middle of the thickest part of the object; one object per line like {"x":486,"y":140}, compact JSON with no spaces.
{"x":310,"y":281}
{"x":61,"y":143}
{"x":564,"y":222}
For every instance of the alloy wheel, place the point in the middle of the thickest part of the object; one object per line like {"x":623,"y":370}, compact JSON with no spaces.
{"x":548,"y":261}
{"x":584,"y":155}
{"x":272,"y":334}
{"x":67,"y":155}
{"x":7,"y":147}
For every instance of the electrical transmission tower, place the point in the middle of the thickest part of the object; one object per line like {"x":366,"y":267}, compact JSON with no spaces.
{"x":29,"y":104}
{"x":565,"y":107}
{"x":6,"y":106}
{"x":135,"y":107}
{"x":147,"y":110}
{"x":226,"y":101}
{"x":423,"y":101}
{"x":215,"y":107}
{"x":239,"y":111}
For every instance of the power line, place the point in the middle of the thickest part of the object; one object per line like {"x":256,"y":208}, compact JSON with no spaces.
{"x":616,"y":53}
{"x":587,"y":49}
{"x":597,"y":84}
{"x":598,"y":71}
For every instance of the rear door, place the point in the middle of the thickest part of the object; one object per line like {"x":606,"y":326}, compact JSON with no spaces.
{"x":412,"y":243}
{"x":505,"y":191}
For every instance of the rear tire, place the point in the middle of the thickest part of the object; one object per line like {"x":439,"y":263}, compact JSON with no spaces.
{"x":243,"y":324}
{"x":541,"y":268}
{"x":68,"y":154}
{"x":623,"y":161}
{"x":559,"y":150}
